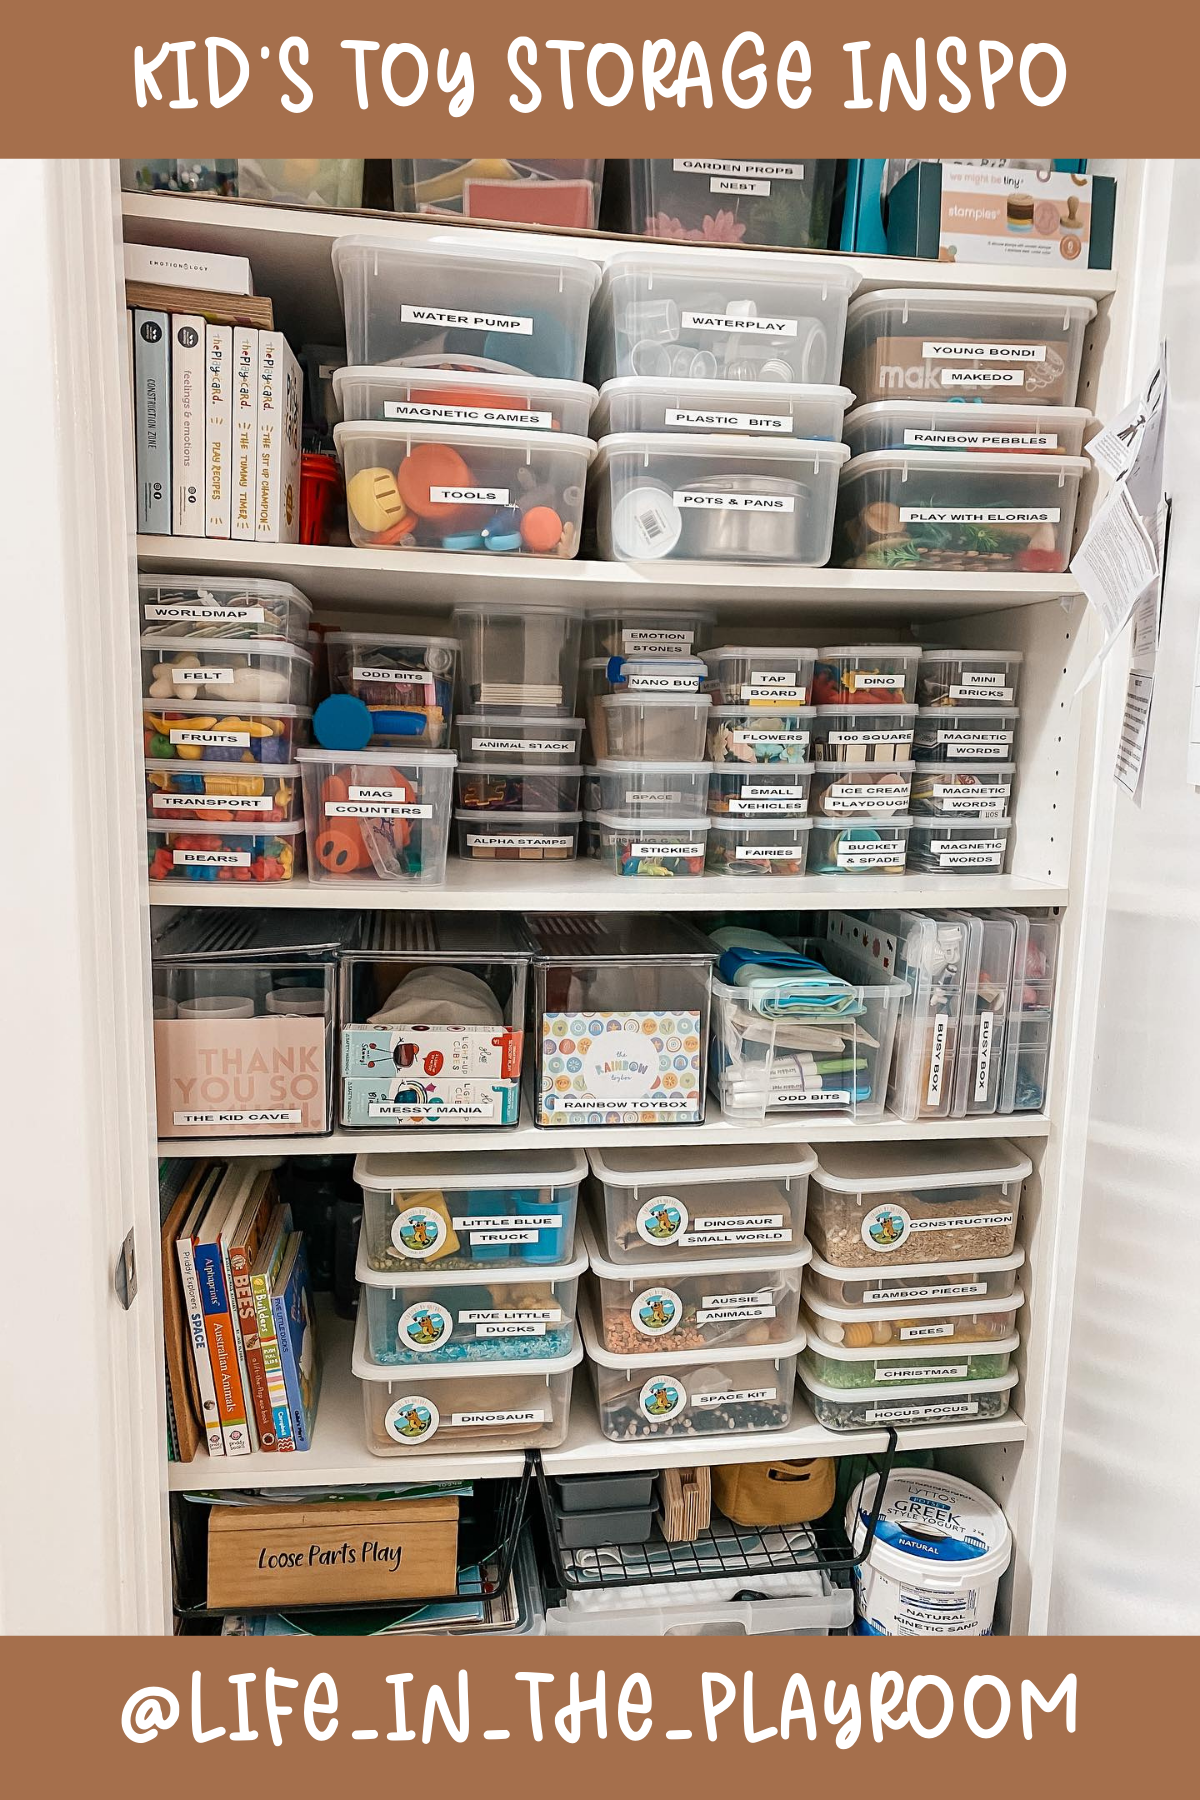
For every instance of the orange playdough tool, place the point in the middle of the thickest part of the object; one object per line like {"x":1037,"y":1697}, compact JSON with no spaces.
{"x":429,"y":466}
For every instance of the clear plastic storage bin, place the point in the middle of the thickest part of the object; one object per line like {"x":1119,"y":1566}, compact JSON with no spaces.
{"x":746,"y":675}
{"x":754,"y":409}
{"x":724,"y":315}
{"x":959,"y":846}
{"x":842,"y":789}
{"x":377,"y":815}
{"x":963,"y":790}
{"x":649,"y":727}
{"x":239,"y":851}
{"x":930,"y":1287}
{"x":866,"y":675}
{"x":639,"y":629}
{"x":213,"y":793}
{"x":974,"y":678}
{"x":518,"y":658}
{"x":929,"y":954}
{"x":294,"y":180}
{"x":772,"y":846}
{"x":470,"y":1408}
{"x":651,"y":847}
{"x":966,"y":734}
{"x":785,"y":204}
{"x":517,"y":788}
{"x":760,"y":734}
{"x":864,"y":846}
{"x":691,"y":1393}
{"x":212,"y":731}
{"x":656,"y":790}
{"x":714,"y":499}
{"x":534,"y":743}
{"x":1030,"y":1014}
{"x":753,"y":791}
{"x":509,"y":190}
{"x":452,"y":1316}
{"x":839,"y":1410}
{"x":734,"y":1301}
{"x":488,"y":1209}
{"x":968,"y":512}
{"x":825,"y":1612}
{"x":641,"y":673}
{"x":911,"y":343}
{"x":455,"y":397}
{"x":194,"y":668}
{"x":886,"y":1326}
{"x":943,"y":1202}
{"x":990,"y":426}
{"x":863,"y":734}
{"x":691,"y":1203}
{"x":222,"y":606}
{"x":467,"y":304}
{"x":986,"y":986}
{"x":517,"y":836}
{"x":463,"y":487}
{"x":405,"y":678}
{"x":881,"y":1369}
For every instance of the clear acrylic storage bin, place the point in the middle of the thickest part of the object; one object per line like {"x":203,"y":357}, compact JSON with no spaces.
{"x":452,"y":1316}
{"x":766,"y":409}
{"x":640,"y":629}
{"x":518,"y":658}
{"x":941,"y":1202}
{"x":1027,"y":1037}
{"x":726,"y":315}
{"x":649,"y":727}
{"x":212,"y":731}
{"x":194,"y":668}
{"x":777,"y":845}
{"x":222,"y":606}
{"x":866,"y":675}
{"x":501,"y":1209}
{"x":752,"y":792}
{"x":863,"y":734}
{"x":911,"y":343}
{"x":212,"y":793}
{"x":691,"y":1393}
{"x":933,"y":1288}
{"x":934,"y":1404}
{"x":843,"y":789}
{"x":651,"y":847}
{"x":509,"y":190}
{"x":746,"y":200}
{"x":713,"y":499}
{"x":990,"y":426}
{"x":929,"y":954}
{"x":517,"y":836}
{"x":405,"y":678}
{"x":963,"y":790}
{"x":887,"y":1325}
{"x":882,"y":1369}
{"x":534,"y":743}
{"x":463,"y":487}
{"x":974,"y":678}
{"x":377,"y":815}
{"x":930,"y":510}
{"x":986,"y":986}
{"x":235,"y":852}
{"x":747,"y":675}
{"x":468,"y":1408}
{"x":517,"y":788}
{"x":966,"y":734}
{"x":760,"y":734}
{"x":827,"y":1611}
{"x":464,"y":303}
{"x":959,"y":846}
{"x":652,"y":790}
{"x":640,"y":673}
{"x":862,"y":846}
{"x":690,"y":1203}
{"x":398,"y":395}
{"x":732,"y":1301}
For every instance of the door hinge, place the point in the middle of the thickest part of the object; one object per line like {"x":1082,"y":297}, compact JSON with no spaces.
{"x":125,"y":1273}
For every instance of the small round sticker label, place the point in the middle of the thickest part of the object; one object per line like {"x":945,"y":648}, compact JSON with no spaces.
{"x":662,"y":1220}
{"x":661,"y":1398}
{"x":656,"y":1311}
{"x":411,"y":1419}
{"x":418,"y":1231}
{"x":885,"y":1227}
{"x":424,"y":1327}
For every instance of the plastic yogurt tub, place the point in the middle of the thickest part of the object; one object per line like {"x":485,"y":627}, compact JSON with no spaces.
{"x":940,"y":1549}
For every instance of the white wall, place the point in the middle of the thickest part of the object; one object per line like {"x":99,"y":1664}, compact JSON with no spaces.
{"x":1131,"y":1450}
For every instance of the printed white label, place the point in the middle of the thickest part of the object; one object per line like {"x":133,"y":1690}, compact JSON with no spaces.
{"x":190,"y":803}
{"x":756,"y":171}
{"x":737,"y":184}
{"x":937,"y":1059}
{"x":867,"y":678}
{"x":894,"y":736}
{"x":985,"y":1037}
{"x":927,"y":1371}
{"x":228,"y":740}
{"x":289,"y":1116}
{"x":983,"y":378}
{"x":645,"y":681}
{"x":916,"y":438}
{"x":734,"y":1396}
{"x":487,"y":1108}
{"x":499,"y":840}
{"x":800,"y":1097}
{"x":759,"y":690}
{"x":196,"y":610}
{"x":986,"y":682}
{"x":653,"y":797}
{"x":947,"y":1290}
{"x":467,"y":321}
{"x":514,"y":746}
{"x":883,"y":853}
{"x":775,"y":503}
{"x":912,"y":1334}
{"x":720,"y":1309}
{"x":429,"y":413}
{"x":667,"y":849}
{"x":769,"y":852}
{"x":469,"y":496}
{"x":676,"y":417}
{"x":739,"y":323}
{"x":766,"y":790}
{"x":966,"y":690}
{"x":376,"y":809}
{"x":980,"y":515}
{"x":976,"y":1221}
{"x":859,"y":796}
{"x":511,"y":1315}
{"x":978,"y":853}
{"x":189,"y":675}
{"x":744,"y":735}
{"x":658,"y":640}
{"x":393,"y":677}
{"x":775,"y":678}
{"x":1005,"y":353}
{"x":502,"y":1329}
{"x":216,"y":859}
{"x":921,"y":1410}
{"x":984,"y":796}
{"x":793,"y":804}
{"x":523,"y":1415}
{"x":990,"y":744}
{"x":760,"y":1228}
{"x":504,"y":1221}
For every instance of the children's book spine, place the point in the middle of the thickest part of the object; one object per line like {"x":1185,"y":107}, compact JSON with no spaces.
{"x":222,"y":1336}
{"x":252,"y":1349}
{"x":276,"y":1383}
{"x":188,"y":431}
{"x":152,"y":418}
{"x":245,"y":431}
{"x":290,"y":1351}
{"x":198,"y":1339}
{"x":219,"y":431}
{"x":270,"y":357}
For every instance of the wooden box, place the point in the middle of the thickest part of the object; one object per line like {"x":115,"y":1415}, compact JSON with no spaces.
{"x":332,"y":1553}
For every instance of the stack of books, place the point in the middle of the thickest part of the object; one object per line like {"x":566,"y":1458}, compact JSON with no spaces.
{"x":217,"y":400}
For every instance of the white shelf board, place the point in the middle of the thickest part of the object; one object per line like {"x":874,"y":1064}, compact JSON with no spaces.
{"x":586,"y":1451}
{"x":583,"y":886}
{"x":716,"y":1129}
{"x":341,"y":578}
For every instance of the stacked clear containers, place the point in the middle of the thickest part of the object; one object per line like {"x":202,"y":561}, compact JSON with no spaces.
{"x":377,"y":815}
{"x":786,"y":204}
{"x":404,"y":679}
{"x":761,"y":722}
{"x":862,"y":737}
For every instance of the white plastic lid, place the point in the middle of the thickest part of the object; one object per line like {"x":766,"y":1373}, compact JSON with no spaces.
{"x":260,"y":648}
{"x":648,"y":827}
{"x":468,"y":247}
{"x":955,"y":821}
{"x":776,"y":823}
{"x":554,"y":443}
{"x":729,"y":651}
{"x":646,"y":609}
{"x":507,"y":725}
{"x":761,"y":711}
{"x":977,"y":654}
{"x":855,"y":1315}
{"x":379,"y":758}
{"x":939,"y":771}
{"x":909,"y":1396}
{"x":262,"y":828}
{"x":858,"y":821}
{"x":420,"y":639}
{"x":916,"y":1352}
{"x":398,"y":375}
{"x":904,"y":652}
{"x":950,"y":307}
{"x":707,"y":1355}
{"x":404,"y":1375}
{"x":222,"y":590}
{"x":516,"y":609}
{"x":638,"y":698}
{"x":730,"y":449}
{"x":979,"y":1265}
{"x":664,"y":387}
{"x":853,"y":772}
{"x":887,"y":712}
{"x":881,"y":1168}
{"x":661,"y":1270}
{"x":965,"y":462}
{"x":227,"y":709}
{"x":507,"y":822}
{"x":800,"y":272}
{"x":430,"y":1276}
{"x":607,"y":765}
{"x":960,"y":1537}
{"x":995,"y":415}
{"x":518,"y":768}
{"x":686,"y":1165}
{"x":650,"y":659}
{"x":951,"y":713}
{"x":173,"y":765}
{"x":418,"y":1173}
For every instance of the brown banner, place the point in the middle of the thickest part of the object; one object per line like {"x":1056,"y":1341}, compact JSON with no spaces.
{"x":638,"y":79}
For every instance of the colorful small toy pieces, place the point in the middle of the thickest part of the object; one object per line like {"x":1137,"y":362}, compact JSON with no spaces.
{"x":167,"y":786}
{"x":434,"y":500}
{"x":354,"y":840}
{"x":205,"y":736}
{"x":220,"y":856}
{"x":188,"y":676}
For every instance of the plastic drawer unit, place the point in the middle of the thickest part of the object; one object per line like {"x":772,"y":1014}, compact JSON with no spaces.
{"x":760,"y":791}
{"x":863,"y":734}
{"x":932,"y":1288}
{"x":213,"y":793}
{"x":691,"y":1204}
{"x":781,"y":733}
{"x":974,"y":678}
{"x":777,"y":845}
{"x":515,"y":787}
{"x":635,"y":727}
{"x":516,"y":836}
{"x":827,"y":1611}
{"x":754,"y":677}
{"x":943,"y":1203}
{"x":937,"y":1403}
{"x":217,"y":731}
{"x":536,"y":742}
{"x":238,"y":851}
{"x":653,"y":790}
{"x":899,"y":1326}
{"x":655,"y":848}
{"x":866,"y":675}
{"x":882,"y":1368}
{"x":844,"y":790}
{"x":860,"y":845}
{"x":479,"y":1210}
{"x":640,"y":628}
